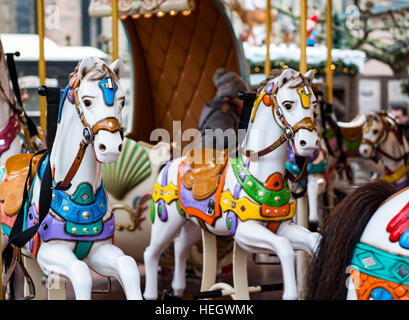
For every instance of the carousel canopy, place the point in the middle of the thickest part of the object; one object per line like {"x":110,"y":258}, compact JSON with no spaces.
{"x":28,"y":46}
{"x":102,"y":8}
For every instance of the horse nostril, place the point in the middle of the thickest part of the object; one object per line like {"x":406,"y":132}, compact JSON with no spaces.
{"x":303,"y":143}
{"x":120,"y":147}
{"x":102,"y":147}
{"x":316,"y":143}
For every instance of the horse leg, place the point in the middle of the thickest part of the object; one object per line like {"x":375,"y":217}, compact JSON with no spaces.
{"x":189,"y":235}
{"x":57,"y":257}
{"x":162,"y":233}
{"x":300,"y":238}
{"x":254,"y":237}
{"x":110,"y":261}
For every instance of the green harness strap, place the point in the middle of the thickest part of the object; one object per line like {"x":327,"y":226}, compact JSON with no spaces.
{"x":256,"y":190}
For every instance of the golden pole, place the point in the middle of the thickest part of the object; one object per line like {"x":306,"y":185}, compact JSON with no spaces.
{"x":267,"y":63}
{"x":41,"y":61}
{"x":303,"y":36}
{"x":114,"y":30}
{"x":328,"y":73}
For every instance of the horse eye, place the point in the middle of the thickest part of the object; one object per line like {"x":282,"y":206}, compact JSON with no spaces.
{"x":87,"y":102}
{"x":375,"y":131}
{"x":122,"y":103}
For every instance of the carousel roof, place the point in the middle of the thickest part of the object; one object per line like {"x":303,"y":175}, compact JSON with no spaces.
{"x":28,"y":46}
{"x":102,"y":8}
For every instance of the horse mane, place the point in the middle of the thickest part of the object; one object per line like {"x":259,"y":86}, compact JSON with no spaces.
{"x":276,"y":72}
{"x":99,"y":72}
{"x":327,"y":271}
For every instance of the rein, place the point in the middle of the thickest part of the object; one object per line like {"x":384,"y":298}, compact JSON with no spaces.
{"x":111,"y":124}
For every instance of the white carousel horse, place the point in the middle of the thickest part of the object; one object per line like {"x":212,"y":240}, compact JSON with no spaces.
{"x":249,"y":200}
{"x":364,"y":252}
{"x":77,"y":233}
{"x":381,"y":136}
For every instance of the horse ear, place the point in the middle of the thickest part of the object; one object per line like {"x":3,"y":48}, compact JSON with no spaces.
{"x":86,"y":65}
{"x":309,"y":75}
{"x":285,"y":76}
{"x":118,"y":67}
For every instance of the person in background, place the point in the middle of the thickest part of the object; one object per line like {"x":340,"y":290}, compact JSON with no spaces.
{"x":223,"y":111}
{"x":399,"y":111}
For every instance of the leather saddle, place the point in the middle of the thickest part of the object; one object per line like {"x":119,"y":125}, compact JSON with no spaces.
{"x":12,"y":185}
{"x":206,"y":166}
{"x":352,"y":134}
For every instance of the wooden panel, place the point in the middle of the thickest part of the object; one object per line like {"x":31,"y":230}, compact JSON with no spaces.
{"x":174,"y":59}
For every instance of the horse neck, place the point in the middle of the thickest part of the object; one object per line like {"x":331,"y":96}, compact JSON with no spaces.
{"x":66,"y":145}
{"x":5,"y":113}
{"x":261,"y":134}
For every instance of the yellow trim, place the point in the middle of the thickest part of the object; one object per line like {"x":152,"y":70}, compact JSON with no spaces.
{"x":256,"y":104}
{"x":305,"y":96}
{"x":170,"y":192}
{"x":328,"y":69}
{"x":114,"y":29}
{"x":399,"y":173}
{"x":252,"y":211}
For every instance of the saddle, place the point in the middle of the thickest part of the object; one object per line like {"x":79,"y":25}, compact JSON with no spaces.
{"x":352,"y":133}
{"x":12,"y":185}
{"x":206,"y":166}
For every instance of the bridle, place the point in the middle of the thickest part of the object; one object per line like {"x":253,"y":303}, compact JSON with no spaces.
{"x":269,"y":98}
{"x":110,"y":124}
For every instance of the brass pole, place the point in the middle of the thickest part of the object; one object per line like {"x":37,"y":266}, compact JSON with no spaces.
{"x":303,"y":36}
{"x":114,"y":30}
{"x":328,"y":73}
{"x":267,"y":63}
{"x":41,"y":61}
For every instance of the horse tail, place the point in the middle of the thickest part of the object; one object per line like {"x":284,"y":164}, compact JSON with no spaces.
{"x":327,"y":272}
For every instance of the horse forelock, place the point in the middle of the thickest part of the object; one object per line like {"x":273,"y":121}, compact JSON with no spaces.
{"x":99,"y":72}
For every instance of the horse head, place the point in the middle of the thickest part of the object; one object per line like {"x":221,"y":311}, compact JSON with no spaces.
{"x":99,"y":101}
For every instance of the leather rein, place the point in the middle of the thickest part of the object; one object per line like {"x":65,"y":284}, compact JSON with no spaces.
{"x":268,"y":96}
{"x":110,"y":124}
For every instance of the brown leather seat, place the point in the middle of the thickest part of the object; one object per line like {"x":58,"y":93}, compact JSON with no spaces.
{"x":12,"y":185}
{"x":352,"y":134}
{"x":206,"y":166}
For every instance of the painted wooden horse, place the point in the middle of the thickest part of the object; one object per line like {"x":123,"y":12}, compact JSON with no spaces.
{"x":77,"y":233}
{"x":239,"y":196}
{"x":364,"y":252}
{"x":14,"y":136}
{"x":381,"y":136}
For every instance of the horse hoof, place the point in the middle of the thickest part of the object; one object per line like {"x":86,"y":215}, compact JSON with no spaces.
{"x":170,"y":295}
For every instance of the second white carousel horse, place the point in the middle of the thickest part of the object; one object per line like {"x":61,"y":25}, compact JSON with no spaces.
{"x":381,"y":136}
{"x":246,"y":196}
{"x":77,"y":233}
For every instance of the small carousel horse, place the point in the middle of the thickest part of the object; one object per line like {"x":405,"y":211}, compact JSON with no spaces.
{"x":381,"y":137}
{"x":364,"y":252}
{"x":239,"y":196}
{"x":77,"y":233}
